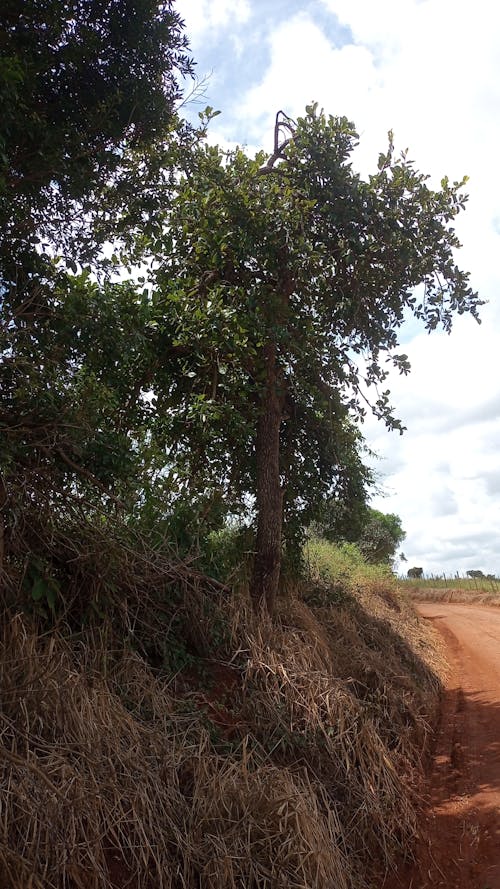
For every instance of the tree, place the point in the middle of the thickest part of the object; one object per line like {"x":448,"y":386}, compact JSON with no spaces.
{"x":74,"y":383}
{"x":86,"y":89}
{"x":343,"y":515}
{"x":276,"y":277}
{"x":80,"y":81}
{"x":377,"y":534}
{"x":382,"y":533}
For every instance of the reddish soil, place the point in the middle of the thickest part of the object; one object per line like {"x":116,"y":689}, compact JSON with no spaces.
{"x":460,"y":835}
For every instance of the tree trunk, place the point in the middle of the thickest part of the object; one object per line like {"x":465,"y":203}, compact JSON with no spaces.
{"x":269,"y":493}
{"x":3,"y":501}
{"x":2,"y":550}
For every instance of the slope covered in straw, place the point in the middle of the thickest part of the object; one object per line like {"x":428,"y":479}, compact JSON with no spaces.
{"x":296,"y":773}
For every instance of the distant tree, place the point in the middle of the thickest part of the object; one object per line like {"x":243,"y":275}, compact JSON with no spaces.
{"x":475,"y":574}
{"x":381,"y":536}
{"x":274,"y":276}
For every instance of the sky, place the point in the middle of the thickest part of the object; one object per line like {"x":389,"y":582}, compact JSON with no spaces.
{"x":430,"y":71}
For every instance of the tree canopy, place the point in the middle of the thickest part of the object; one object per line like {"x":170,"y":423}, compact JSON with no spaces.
{"x":80,"y":80}
{"x":88,"y":92}
{"x":282,"y":283}
{"x":381,"y":536}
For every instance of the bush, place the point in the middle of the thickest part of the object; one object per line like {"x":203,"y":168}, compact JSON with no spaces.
{"x":342,"y":564}
{"x":227,"y":555}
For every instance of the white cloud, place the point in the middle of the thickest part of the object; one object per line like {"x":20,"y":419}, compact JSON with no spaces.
{"x":438,"y":86}
{"x":306,"y":67}
{"x":444,"y":502}
{"x":202,"y":16}
{"x":442,"y":475}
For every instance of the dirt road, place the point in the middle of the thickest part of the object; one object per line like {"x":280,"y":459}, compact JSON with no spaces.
{"x":460,"y":846}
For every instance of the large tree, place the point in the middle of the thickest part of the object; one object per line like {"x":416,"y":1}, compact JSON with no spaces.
{"x":282,"y":284}
{"x":87,"y":88}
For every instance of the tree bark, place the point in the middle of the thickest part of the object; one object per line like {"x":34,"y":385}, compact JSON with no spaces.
{"x":2,"y":549}
{"x":269,"y":493}
{"x":3,"y":501}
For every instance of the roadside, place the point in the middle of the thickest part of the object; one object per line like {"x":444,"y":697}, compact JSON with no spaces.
{"x":460,"y":836}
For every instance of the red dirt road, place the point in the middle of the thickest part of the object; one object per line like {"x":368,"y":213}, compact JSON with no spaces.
{"x":460,"y":847}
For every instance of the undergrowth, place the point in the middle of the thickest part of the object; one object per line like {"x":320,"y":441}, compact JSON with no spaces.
{"x":237,"y":752}
{"x":337,"y":571}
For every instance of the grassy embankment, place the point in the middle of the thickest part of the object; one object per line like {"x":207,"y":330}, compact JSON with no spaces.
{"x":209,"y":749}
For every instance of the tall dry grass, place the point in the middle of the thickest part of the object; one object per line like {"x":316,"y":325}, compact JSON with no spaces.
{"x":299,"y":774}
{"x":105,"y":782}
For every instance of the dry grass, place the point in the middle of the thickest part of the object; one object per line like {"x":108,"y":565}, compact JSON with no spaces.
{"x":96,"y":791}
{"x":343,"y":692}
{"x":436,"y":588}
{"x":465,"y":595}
{"x":77,"y":569}
{"x":114,"y":774}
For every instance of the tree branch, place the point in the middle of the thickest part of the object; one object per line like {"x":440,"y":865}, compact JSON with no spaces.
{"x":286,"y":124}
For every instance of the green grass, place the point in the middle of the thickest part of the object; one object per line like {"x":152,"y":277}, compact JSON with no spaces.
{"x":342,"y":567}
{"x":465,"y":584}
{"x":467,"y":590}
{"x":338,"y":570}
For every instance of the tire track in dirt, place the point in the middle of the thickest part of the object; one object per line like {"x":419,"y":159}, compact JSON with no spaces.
{"x":460,"y":834}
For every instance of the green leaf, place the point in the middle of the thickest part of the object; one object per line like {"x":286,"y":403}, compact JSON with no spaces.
{"x":51,"y":596}
{"x":39,"y":589}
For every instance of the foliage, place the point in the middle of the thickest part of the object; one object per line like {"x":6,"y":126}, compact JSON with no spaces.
{"x":87,"y":88}
{"x":376,"y":534}
{"x":80,"y":81}
{"x":227,"y":553}
{"x":131,"y":420}
{"x":280,"y":290}
{"x":342,"y":567}
{"x":342,"y":519}
{"x":72,"y":404}
{"x":279,"y":285}
{"x":382,"y":533}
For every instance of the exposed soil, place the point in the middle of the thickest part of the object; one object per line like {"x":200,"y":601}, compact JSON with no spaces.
{"x":460,"y":837}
